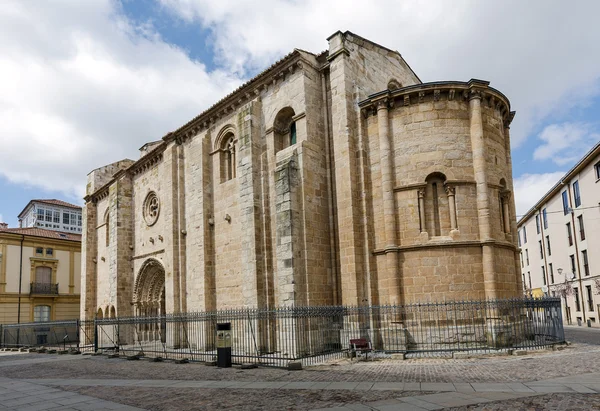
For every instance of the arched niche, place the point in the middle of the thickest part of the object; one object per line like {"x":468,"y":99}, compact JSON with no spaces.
{"x":284,"y":129}
{"x":437,"y":218}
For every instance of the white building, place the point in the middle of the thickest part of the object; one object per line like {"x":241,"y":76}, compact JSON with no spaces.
{"x":53,"y":215}
{"x":560,"y":239}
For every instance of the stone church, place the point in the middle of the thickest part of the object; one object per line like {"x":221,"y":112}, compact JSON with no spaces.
{"x":327,"y":179}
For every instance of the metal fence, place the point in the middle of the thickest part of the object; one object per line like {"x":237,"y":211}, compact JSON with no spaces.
{"x":312,"y":334}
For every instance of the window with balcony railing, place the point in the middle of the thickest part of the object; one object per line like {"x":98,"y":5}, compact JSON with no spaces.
{"x":43,"y":288}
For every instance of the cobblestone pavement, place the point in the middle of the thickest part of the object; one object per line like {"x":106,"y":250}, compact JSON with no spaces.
{"x":583,"y":335}
{"x":540,"y":365}
{"x":567,"y":402}
{"x":556,"y":380}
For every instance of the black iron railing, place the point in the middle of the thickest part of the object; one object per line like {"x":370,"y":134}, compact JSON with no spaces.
{"x":43,"y":288}
{"x":312,"y":334}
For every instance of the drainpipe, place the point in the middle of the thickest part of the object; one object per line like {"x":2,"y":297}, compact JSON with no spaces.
{"x":20,"y":281}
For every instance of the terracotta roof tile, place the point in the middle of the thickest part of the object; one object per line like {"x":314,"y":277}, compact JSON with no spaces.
{"x":41,"y":232}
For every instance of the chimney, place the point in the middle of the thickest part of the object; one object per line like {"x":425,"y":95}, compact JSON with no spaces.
{"x":3,"y":225}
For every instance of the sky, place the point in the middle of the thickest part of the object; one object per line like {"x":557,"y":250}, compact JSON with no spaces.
{"x":86,"y":83}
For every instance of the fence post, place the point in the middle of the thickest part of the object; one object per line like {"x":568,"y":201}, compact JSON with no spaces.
{"x":77,"y":334}
{"x":95,"y":336}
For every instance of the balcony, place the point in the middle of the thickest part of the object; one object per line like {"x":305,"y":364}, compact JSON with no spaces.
{"x":43,"y":288}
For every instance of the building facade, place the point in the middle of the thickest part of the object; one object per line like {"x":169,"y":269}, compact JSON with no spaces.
{"x":336,"y":178}
{"x":40,"y":274}
{"x":558,"y":237}
{"x":56,"y":215}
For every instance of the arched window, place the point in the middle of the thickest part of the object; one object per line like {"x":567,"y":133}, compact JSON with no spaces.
{"x":99,"y":315}
{"x":436,"y":204}
{"x":284,"y":129}
{"x":113,"y":313}
{"x":293,"y":133}
{"x":228,"y":157}
{"x":503,"y":199}
{"x":41,"y":313}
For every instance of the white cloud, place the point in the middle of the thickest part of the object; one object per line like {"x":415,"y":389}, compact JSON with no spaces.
{"x":82,"y":87}
{"x":1,"y":218}
{"x":529,"y":188}
{"x":565,"y":143}
{"x":539,"y":53}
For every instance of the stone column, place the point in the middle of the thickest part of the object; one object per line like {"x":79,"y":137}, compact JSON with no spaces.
{"x":89,"y":245}
{"x":483,"y":204}
{"x":389,"y":207}
{"x":248,"y":165}
{"x":387,"y":184}
{"x":451,"y":192}
{"x":121,"y":231}
{"x":506,"y":212}
{"x":421,"y":194}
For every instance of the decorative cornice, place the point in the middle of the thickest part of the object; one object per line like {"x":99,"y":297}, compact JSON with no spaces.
{"x":417,"y":186}
{"x":333,"y":56}
{"x":444,"y":244}
{"x":410,"y":187}
{"x":420,"y":93}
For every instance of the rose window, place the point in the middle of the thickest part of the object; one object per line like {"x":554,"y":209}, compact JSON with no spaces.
{"x":151,"y":208}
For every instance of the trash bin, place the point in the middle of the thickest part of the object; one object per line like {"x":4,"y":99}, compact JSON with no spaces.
{"x":589,"y":322}
{"x":579,"y":322}
{"x":224,"y":345}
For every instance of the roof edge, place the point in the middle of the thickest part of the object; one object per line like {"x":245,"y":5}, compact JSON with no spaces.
{"x":585,"y":160}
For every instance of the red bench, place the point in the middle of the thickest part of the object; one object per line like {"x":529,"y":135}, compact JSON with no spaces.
{"x":361,"y":345}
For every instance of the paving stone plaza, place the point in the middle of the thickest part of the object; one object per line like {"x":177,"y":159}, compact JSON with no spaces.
{"x":565,"y":379}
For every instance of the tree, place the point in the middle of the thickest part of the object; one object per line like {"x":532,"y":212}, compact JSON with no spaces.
{"x":563,"y":290}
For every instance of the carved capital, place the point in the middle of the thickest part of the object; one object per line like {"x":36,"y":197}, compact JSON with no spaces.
{"x":382,"y":104}
{"x":474,"y":94}
{"x":421,"y":193}
{"x":505,"y":195}
{"x":450,"y":190}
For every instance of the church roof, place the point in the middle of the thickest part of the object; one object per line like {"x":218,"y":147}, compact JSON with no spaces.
{"x":40,"y":232}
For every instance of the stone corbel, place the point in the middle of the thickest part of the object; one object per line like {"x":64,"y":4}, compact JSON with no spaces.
{"x":407,"y":100}
{"x":436,"y":95}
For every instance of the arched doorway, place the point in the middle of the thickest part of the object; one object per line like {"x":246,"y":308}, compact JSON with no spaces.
{"x":149,"y":301}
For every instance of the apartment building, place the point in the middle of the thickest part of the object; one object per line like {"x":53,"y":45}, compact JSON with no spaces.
{"x":559,"y":239}
{"x":40,"y":275}
{"x":55,"y":215}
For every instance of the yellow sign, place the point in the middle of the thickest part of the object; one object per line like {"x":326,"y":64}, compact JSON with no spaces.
{"x":223,"y":339}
